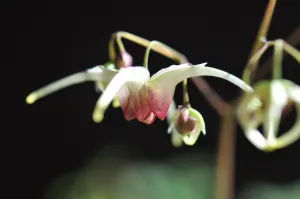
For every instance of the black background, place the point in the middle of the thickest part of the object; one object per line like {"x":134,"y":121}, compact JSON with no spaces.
{"x":56,"y":40}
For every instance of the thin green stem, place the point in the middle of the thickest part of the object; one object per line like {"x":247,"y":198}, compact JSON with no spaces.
{"x":262,"y":34}
{"x":252,"y":63}
{"x":292,"y":51}
{"x":292,"y":40}
{"x":120,"y":43}
{"x":277,"y":59}
{"x":111,"y":46}
{"x":147,"y":53}
{"x":186,"y":101}
{"x":161,"y":49}
{"x":264,"y":27}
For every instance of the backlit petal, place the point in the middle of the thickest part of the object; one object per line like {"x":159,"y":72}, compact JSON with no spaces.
{"x":293,"y":134}
{"x":97,"y":73}
{"x":293,"y":90}
{"x":133,"y":95}
{"x":256,"y":138}
{"x":177,"y":73}
{"x":161,"y":85}
{"x":125,"y":75}
{"x":277,"y":101}
{"x":126,"y":103}
{"x":249,"y":111}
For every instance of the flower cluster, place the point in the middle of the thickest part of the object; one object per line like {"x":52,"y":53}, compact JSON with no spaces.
{"x":143,"y":96}
{"x":146,"y":97}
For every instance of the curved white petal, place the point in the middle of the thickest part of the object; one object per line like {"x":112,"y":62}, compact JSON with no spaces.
{"x":249,"y":112}
{"x":161,"y":85}
{"x":97,"y":73}
{"x":277,"y":102}
{"x":135,"y":74}
{"x":171,"y":76}
{"x":292,"y":135}
{"x":256,"y":138}
{"x":293,"y":91}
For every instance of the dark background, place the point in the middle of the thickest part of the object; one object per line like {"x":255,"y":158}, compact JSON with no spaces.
{"x":56,"y":40}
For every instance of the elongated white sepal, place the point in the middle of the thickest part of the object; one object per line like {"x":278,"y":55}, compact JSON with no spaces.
{"x":292,"y":135}
{"x":97,"y":73}
{"x":278,"y":99}
{"x":172,"y":75}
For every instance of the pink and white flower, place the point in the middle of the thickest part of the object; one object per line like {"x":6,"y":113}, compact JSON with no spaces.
{"x":140,"y":95}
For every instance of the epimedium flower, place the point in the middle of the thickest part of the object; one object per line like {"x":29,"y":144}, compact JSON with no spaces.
{"x":265,"y":107}
{"x":140,"y":96}
{"x":270,"y":99}
{"x":185,"y":125}
{"x":144,"y":97}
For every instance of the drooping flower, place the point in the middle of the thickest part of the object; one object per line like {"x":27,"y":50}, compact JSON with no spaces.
{"x":145,"y":98}
{"x":185,"y":125}
{"x":140,"y":96}
{"x":265,"y":106}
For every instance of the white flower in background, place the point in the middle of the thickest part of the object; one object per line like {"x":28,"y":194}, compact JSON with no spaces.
{"x":265,"y":107}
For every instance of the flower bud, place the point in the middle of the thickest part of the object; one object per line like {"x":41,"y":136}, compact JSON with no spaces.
{"x":187,"y":124}
{"x":123,"y":60}
{"x":184,"y":123}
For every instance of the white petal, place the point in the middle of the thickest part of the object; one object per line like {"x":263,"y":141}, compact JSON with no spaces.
{"x":135,"y":74}
{"x":293,"y":91}
{"x":97,"y":73}
{"x":171,"y":76}
{"x":176,"y":139}
{"x":292,"y":135}
{"x":249,"y":112}
{"x":171,"y":112}
{"x":256,"y":138}
{"x":277,"y":102}
{"x":278,"y":94}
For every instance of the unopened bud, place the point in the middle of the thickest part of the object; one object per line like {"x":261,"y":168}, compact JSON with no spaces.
{"x":123,"y":60}
{"x":184,"y":123}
